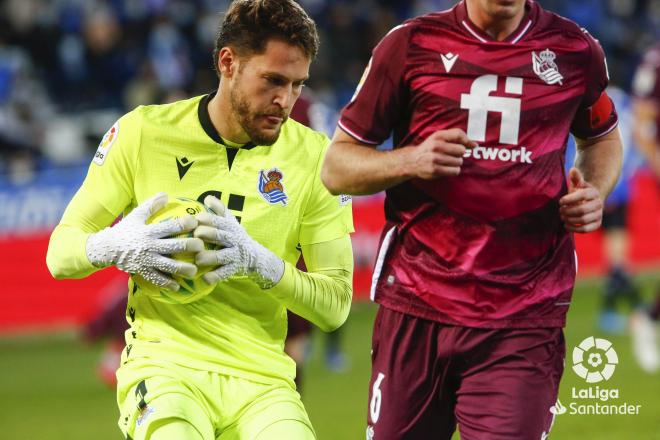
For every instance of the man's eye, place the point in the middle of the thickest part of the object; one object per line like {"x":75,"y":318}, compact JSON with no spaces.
{"x":276,"y":81}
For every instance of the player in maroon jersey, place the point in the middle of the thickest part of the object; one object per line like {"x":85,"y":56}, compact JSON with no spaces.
{"x":646,"y":129}
{"x":477,"y":263}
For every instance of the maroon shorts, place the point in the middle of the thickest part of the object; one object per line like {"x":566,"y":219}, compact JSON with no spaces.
{"x":497,"y":384}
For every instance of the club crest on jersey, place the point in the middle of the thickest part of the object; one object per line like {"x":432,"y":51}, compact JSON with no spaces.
{"x":546,"y":69}
{"x":109,"y":138}
{"x":271,"y":188}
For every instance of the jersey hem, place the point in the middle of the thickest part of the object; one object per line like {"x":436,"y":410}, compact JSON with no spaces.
{"x":463,"y":321}
{"x":157,"y":356}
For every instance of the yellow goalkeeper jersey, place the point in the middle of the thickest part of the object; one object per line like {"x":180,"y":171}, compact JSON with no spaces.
{"x":275,"y":192}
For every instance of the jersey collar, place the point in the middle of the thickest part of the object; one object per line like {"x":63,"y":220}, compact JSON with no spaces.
{"x":471,"y":29}
{"x":207,"y":125}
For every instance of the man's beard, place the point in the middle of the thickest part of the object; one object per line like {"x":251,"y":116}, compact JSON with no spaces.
{"x":248,"y":119}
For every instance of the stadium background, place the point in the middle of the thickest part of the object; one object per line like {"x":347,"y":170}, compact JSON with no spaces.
{"x":69,"y":68}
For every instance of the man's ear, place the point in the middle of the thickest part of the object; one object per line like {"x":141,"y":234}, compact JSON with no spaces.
{"x":227,"y":62}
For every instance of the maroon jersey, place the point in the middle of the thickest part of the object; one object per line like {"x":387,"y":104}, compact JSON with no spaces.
{"x":647,"y":82}
{"x":486,"y":248}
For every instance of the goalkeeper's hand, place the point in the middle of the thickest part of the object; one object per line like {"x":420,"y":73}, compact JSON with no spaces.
{"x":139,"y":248}
{"x":239,"y":254}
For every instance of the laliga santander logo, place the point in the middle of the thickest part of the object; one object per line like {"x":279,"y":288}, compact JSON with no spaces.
{"x":594,"y":359}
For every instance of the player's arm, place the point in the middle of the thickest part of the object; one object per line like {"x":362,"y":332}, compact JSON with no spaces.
{"x":82,"y":243}
{"x":599,"y":161}
{"x":596,"y":171}
{"x":352,"y":164}
{"x":354,"y":167}
{"x":67,"y":254}
{"x":599,"y":152}
{"x":323,"y":294}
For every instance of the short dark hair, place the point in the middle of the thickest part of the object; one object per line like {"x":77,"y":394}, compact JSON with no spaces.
{"x":248,"y":25}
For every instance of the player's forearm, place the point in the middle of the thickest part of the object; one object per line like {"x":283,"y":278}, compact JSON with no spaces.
{"x":323,"y":294}
{"x":323,"y":298}
{"x":66,"y":257}
{"x":600,"y":161}
{"x":355,"y":169}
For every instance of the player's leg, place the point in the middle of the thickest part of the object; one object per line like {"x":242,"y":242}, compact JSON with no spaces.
{"x":172,"y":429}
{"x":287,"y":429}
{"x":173,"y":416}
{"x":263,"y":412}
{"x":157,"y":403}
{"x":410,"y":393}
{"x":510,"y":380}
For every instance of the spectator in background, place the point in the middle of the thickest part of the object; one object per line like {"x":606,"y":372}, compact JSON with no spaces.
{"x":646,"y":108}
{"x":88,"y":53}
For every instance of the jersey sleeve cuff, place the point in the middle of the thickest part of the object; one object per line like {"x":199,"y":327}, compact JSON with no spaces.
{"x":354,"y":133}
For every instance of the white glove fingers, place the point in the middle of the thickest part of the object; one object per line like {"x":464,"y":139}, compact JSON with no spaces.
{"x":213,"y":235}
{"x":205,"y":218}
{"x":215,"y":205}
{"x":206,"y":258}
{"x":216,"y":258}
{"x":154,"y":277}
{"x":145,"y":209}
{"x":228,"y":221}
{"x":175,"y":267}
{"x":173,"y":226}
{"x":169,"y":246}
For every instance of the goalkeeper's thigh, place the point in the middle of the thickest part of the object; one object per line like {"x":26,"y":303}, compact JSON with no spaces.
{"x":172,"y":429}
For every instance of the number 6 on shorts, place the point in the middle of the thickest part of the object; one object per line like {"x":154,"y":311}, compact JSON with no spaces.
{"x":376,"y":398}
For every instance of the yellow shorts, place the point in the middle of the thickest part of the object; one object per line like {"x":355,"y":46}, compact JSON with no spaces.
{"x":219,"y":407}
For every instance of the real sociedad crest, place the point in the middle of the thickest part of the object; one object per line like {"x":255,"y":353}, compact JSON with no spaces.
{"x":271,"y":188}
{"x":545,"y":67}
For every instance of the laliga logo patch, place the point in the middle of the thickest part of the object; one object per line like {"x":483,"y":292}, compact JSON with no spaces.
{"x":594,"y":360}
{"x":109,"y":138}
{"x":546,"y":69}
{"x":271,"y":188}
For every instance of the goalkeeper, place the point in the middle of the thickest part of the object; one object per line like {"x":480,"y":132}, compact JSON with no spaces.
{"x":215,"y":368}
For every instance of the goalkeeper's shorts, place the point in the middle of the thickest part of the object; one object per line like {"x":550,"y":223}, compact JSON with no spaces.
{"x":150,"y":393}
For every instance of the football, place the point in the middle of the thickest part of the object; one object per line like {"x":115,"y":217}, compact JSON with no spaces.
{"x":191,"y":289}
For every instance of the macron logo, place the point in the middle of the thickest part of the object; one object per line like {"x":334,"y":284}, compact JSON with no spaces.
{"x":521,"y":155}
{"x":448,"y":60}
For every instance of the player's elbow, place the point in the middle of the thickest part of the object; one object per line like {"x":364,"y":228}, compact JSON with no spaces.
{"x":56,"y":270}
{"x":333,"y":323}
{"x":330,"y":178}
{"x":335,"y":320}
{"x":55,"y":260}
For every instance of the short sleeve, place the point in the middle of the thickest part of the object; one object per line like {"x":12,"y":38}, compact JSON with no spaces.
{"x":379,"y":98}
{"x":112,"y":172}
{"x":646,"y":83}
{"x":325,"y":217}
{"x":596,"y":115}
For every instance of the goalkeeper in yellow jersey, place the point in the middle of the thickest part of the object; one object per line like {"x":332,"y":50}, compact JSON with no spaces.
{"x":215,"y":368}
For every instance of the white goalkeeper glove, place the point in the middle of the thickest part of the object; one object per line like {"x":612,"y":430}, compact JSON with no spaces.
{"x":239,"y":253}
{"x":139,"y":248}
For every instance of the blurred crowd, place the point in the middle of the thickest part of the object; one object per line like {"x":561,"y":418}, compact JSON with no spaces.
{"x":69,"y":68}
